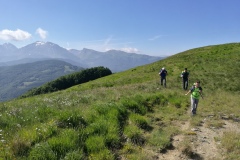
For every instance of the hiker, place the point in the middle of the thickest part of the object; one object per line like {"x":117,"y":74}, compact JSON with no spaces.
{"x":185,"y":75}
{"x":196,"y":92}
{"x":163,"y":74}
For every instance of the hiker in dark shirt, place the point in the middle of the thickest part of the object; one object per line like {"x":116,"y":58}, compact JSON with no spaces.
{"x":163,"y":74}
{"x":185,"y":75}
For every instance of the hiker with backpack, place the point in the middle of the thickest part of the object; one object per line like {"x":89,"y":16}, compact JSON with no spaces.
{"x":163,"y":74}
{"x":196,"y":92}
{"x":185,"y":75}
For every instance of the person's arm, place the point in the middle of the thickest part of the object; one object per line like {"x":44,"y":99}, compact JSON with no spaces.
{"x":200,"y":91}
{"x":188,"y":92}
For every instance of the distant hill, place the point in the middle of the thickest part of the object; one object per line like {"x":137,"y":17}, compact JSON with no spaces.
{"x":17,"y":79}
{"x":115,"y":60}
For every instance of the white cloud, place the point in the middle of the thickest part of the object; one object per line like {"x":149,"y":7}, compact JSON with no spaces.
{"x":130,"y":50}
{"x":107,"y":41}
{"x":154,"y":38}
{"x":43,"y":34}
{"x":17,"y":35}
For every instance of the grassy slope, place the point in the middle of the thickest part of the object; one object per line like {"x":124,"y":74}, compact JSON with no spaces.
{"x":16,"y":80}
{"x":122,"y":113}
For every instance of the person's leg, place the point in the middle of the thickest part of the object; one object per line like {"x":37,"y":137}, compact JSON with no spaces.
{"x":165,"y":82}
{"x":183,"y":84}
{"x":193,"y":105}
{"x":161,"y":81}
{"x":186,"y":84}
{"x":196,"y":105}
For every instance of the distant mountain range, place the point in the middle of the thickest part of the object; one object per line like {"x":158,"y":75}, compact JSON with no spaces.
{"x":115,"y":60}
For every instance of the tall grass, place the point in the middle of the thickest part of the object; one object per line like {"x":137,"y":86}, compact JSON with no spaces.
{"x":231,"y":143}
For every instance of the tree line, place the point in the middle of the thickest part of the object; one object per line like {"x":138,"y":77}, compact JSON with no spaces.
{"x":70,"y":80}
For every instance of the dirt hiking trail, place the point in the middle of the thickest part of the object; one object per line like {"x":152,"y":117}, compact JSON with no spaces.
{"x":201,"y":142}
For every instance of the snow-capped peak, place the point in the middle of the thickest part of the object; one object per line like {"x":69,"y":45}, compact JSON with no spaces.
{"x":39,"y":43}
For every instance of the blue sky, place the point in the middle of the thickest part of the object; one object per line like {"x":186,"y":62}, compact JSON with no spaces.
{"x":152,"y":27}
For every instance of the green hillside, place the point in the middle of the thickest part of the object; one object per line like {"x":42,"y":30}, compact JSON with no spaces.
{"x":126,"y":115}
{"x":18,"y":79}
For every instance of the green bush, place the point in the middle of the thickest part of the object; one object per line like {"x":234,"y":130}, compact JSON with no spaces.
{"x":98,"y":127}
{"x":42,"y":151}
{"x":71,"y":119}
{"x":113,"y":140}
{"x":134,"y":106}
{"x":66,"y":141}
{"x":95,"y":144}
{"x":231,"y":142}
{"x":75,"y":155}
{"x":139,"y":120}
{"x":104,"y":154}
{"x":160,"y":139}
{"x":20,"y":147}
{"x":134,"y":134}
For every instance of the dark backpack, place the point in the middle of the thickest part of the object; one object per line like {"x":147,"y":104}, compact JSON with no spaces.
{"x":163,"y":73}
{"x":185,"y":75}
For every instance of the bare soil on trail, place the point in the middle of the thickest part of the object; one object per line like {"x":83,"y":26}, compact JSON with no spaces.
{"x":201,"y":141}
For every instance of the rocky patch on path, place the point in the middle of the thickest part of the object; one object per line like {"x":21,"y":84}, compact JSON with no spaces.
{"x":201,"y":142}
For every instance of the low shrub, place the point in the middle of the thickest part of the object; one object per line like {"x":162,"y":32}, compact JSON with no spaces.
{"x":66,"y":141}
{"x":71,"y":119}
{"x":104,"y":154}
{"x":95,"y":144}
{"x":134,"y":106}
{"x":160,"y":139}
{"x":134,"y":134}
{"x":42,"y":151}
{"x":20,"y":147}
{"x":231,"y":142}
{"x":75,"y":155}
{"x":140,"y":121}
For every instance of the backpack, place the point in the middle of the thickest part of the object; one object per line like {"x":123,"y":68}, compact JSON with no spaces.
{"x":184,"y":75}
{"x":163,"y":73}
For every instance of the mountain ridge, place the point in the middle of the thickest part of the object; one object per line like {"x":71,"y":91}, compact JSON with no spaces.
{"x":115,"y":60}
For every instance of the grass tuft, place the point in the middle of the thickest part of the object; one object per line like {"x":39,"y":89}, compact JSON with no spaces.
{"x":231,"y":142}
